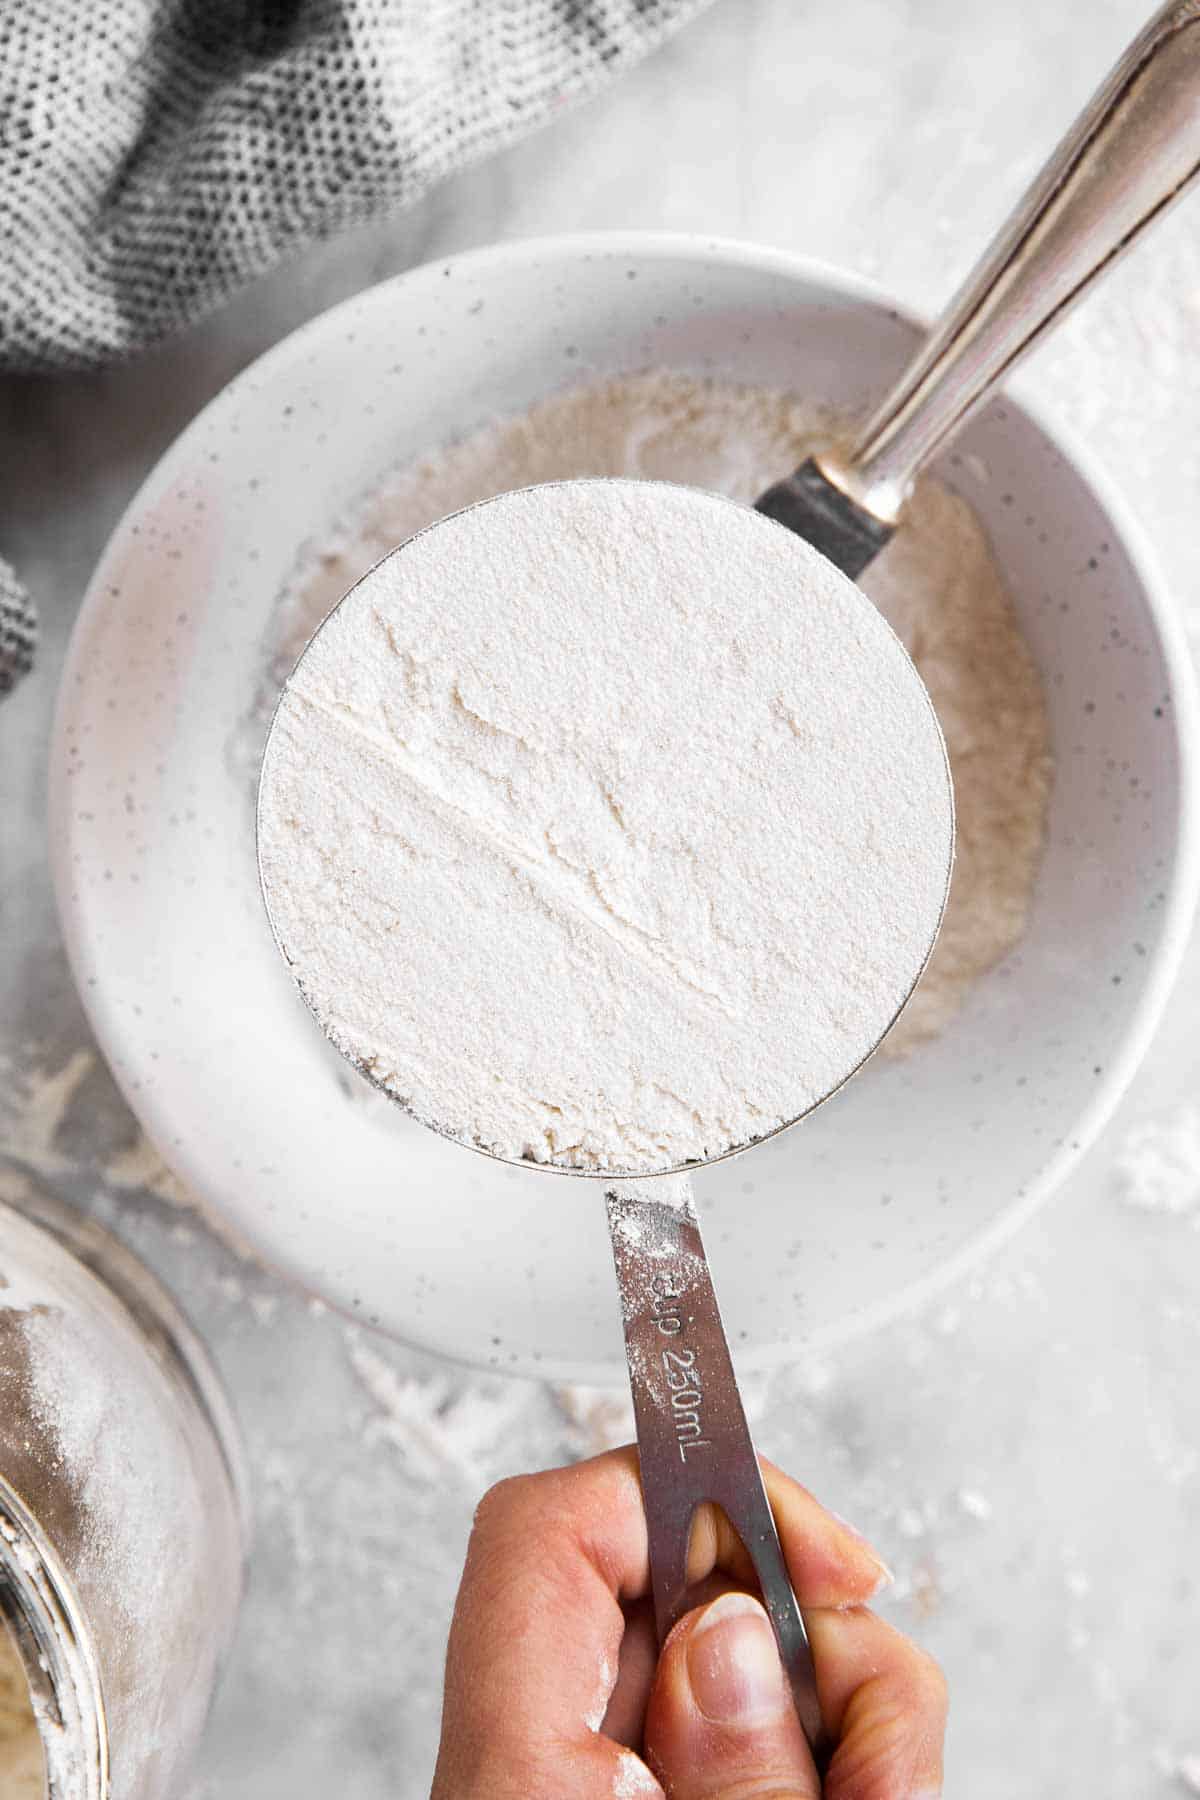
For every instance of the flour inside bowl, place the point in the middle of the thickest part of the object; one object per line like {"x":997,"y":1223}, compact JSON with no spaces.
{"x":937,"y":583}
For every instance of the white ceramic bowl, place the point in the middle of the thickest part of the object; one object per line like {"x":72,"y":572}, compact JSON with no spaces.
{"x":910,"y":1170}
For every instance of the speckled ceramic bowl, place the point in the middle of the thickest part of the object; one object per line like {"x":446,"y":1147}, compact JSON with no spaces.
{"x":913,"y":1168}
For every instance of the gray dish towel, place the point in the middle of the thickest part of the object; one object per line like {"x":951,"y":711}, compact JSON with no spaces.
{"x":156,"y":154}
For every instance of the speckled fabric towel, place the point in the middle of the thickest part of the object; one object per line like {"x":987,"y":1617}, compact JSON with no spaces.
{"x":155,"y":154}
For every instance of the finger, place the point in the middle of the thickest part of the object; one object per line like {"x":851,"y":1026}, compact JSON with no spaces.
{"x":593,"y":1769}
{"x":721,"y":1720}
{"x":625,"y":1718}
{"x":535,"y":1642}
{"x":884,"y":1704}
{"x":536,"y":1634}
{"x":829,"y":1562}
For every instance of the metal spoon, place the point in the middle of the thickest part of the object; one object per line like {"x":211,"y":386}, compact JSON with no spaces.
{"x":1133,"y":151}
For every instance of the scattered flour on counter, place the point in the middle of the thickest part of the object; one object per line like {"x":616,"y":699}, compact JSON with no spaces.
{"x":597,"y":1418}
{"x":605,"y":825}
{"x":937,"y":583}
{"x":1158,"y":1164}
{"x":1183,"y":1770}
{"x":39,"y":1099}
{"x":443,"y":1428}
{"x":1187,"y":1773}
{"x":49,"y":1133}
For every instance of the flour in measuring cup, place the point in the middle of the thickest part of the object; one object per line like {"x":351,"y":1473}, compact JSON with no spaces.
{"x":937,"y":583}
{"x":606,"y":826}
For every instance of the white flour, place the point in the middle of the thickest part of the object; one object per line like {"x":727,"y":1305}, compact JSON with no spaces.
{"x":633,"y":1779}
{"x":937,"y":583}
{"x":1158,"y":1163}
{"x":605,"y":825}
{"x":47,"y":1137}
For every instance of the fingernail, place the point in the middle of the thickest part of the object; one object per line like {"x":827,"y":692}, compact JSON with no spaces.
{"x":885,"y":1577}
{"x":847,"y":1526}
{"x":883,"y":1580}
{"x":733,"y":1666}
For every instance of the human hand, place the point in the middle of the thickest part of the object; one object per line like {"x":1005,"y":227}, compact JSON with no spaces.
{"x":555,"y":1691}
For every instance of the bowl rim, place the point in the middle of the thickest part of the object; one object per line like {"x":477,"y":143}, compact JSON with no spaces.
{"x":1181,"y":883}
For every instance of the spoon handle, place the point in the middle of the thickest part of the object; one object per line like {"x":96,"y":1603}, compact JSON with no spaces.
{"x":1131,"y":153}
{"x":693,"y":1441}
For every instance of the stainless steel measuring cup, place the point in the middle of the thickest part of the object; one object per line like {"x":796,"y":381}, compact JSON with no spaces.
{"x":693,"y":1439}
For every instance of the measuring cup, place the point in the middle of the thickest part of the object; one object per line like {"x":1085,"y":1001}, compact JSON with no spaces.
{"x":858,"y":758}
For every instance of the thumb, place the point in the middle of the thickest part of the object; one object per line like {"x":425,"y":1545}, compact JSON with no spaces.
{"x":721,"y":1719}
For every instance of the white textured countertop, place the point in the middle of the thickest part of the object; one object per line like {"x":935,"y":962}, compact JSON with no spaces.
{"x":1027,"y":1452}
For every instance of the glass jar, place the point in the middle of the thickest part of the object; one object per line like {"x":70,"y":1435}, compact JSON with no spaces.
{"x":123,"y":1523}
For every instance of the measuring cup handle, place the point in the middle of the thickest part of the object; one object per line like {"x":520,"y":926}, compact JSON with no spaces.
{"x":693,"y":1441}
{"x":1131,"y":153}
